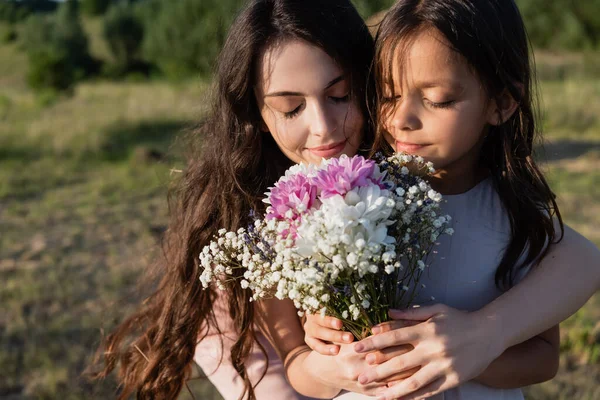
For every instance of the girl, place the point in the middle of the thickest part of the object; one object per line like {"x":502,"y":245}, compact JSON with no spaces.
{"x":455,"y":83}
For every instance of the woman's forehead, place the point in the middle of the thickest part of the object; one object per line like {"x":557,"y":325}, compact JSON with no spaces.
{"x":296,"y":66}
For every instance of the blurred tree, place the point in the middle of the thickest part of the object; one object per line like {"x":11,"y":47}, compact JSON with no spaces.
{"x":124,"y":32}
{"x":367,"y":8}
{"x":13,"y":11}
{"x":57,"y":47}
{"x":95,"y":7}
{"x":562,"y":24}
{"x":184,"y":37}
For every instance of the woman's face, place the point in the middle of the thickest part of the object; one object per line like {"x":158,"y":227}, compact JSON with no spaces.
{"x":305,"y":102}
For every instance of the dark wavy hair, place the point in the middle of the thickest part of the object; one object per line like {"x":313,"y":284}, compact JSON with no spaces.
{"x":231,"y":165}
{"x":491,"y":36}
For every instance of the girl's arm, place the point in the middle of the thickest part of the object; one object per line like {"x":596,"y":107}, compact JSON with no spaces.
{"x":469,"y":342}
{"x":310,"y":373}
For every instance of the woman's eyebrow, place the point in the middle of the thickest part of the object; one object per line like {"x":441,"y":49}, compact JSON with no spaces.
{"x":288,"y":93}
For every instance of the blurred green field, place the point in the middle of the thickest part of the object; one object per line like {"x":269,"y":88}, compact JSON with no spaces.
{"x":83,"y":182}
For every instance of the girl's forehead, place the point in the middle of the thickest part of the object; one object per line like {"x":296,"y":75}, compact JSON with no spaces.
{"x":425,"y":59}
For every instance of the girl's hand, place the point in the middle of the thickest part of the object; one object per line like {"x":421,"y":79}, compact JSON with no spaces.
{"x":450,"y":348}
{"x":321,"y":334}
{"x":344,"y":369}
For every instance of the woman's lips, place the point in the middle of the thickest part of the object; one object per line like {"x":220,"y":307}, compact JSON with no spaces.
{"x":410,"y":148}
{"x":328,"y":150}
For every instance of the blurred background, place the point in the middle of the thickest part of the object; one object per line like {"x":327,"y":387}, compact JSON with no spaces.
{"x":93,"y":94}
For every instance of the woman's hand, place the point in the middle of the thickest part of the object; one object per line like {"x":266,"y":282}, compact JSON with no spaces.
{"x":450,"y":347}
{"x":322,"y":334}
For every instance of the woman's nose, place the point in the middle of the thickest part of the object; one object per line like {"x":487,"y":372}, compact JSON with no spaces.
{"x":323,"y":122}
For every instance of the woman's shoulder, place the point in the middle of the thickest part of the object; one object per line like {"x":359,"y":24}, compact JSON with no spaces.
{"x":574,"y":247}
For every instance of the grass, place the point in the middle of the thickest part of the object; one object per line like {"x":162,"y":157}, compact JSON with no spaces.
{"x":82,"y":207}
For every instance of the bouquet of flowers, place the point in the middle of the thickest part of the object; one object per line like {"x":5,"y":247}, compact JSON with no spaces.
{"x":348,"y":238}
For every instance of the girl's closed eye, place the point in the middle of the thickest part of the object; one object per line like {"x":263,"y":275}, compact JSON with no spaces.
{"x":342,"y":99}
{"x":442,"y":105}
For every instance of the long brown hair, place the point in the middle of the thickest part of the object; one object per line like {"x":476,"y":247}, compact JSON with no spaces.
{"x":491,"y":37}
{"x":231,"y":165}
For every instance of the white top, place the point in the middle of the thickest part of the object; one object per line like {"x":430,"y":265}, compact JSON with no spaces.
{"x":461,"y":274}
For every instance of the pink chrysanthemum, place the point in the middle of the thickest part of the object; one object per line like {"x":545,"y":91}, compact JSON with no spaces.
{"x":291,"y":197}
{"x":345,"y":173}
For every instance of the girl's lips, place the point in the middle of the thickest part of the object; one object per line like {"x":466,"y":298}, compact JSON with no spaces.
{"x":408,"y":147}
{"x":328,"y":150}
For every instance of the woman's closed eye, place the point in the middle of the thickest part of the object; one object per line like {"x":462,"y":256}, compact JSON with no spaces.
{"x":292,"y":113}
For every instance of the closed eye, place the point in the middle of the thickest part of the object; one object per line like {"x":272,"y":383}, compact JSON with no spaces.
{"x":442,"y":105}
{"x":293,"y":113}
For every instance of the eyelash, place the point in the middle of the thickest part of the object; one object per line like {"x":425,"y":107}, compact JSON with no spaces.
{"x":446,"y":104}
{"x":294,"y":112}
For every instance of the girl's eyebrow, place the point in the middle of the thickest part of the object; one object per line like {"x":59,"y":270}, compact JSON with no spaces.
{"x":288,"y":93}
{"x":433,"y":84}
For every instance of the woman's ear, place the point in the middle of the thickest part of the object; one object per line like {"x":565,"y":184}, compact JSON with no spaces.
{"x":502,"y":108}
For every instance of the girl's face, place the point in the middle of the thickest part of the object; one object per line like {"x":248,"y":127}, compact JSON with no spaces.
{"x":304,"y":99}
{"x":440,"y":109}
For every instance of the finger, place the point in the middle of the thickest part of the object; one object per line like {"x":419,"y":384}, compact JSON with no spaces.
{"x":391,"y":325}
{"x":326,"y":321}
{"x":417,"y":313}
{"x":390,"y":368}
{"x":387,"y":339}
{"x":322,"y":347}
{"x":410,"y":385}
{"x":328,"y":335}
{"x":381,"y":356}
{"x":427,"y":392}
{"x":400,"y":376}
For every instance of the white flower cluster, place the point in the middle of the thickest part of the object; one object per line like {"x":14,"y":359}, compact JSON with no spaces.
{"x":351,"y":255}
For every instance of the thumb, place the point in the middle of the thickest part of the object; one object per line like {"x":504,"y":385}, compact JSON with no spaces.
{"x":417,"y":313}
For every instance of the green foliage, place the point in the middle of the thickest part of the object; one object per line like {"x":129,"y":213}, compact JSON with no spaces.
{"x":184,"y":37}
{"x":366,"y":8}
{"x":16,"y":11}
{"x":57,"y":47}
{"x":124,"y":32}
{"x":562,"y":24}
{"x":95,"y":7}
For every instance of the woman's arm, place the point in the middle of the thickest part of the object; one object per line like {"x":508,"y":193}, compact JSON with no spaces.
{"x":534,"y":361}
{"x":465,"y":344}
{"x":565,"y":279}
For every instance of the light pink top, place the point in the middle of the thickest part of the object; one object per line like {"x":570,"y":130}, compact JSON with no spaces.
{"x":226,"y":379}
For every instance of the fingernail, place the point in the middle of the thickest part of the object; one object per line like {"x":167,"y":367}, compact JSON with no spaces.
{"x":336,"y":325}
{"x":370,"y":358}
{"x":363,"y":379}
{"x":333,"y":350}
{"x":359,"y":347}
{"x":376,"y":330}
{"x":347,"y":337}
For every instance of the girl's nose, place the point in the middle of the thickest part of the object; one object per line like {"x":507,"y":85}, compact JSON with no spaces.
{"x":404,"y":117}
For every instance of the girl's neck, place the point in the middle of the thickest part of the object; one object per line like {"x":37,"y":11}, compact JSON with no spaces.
{"x":460,"y":177}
